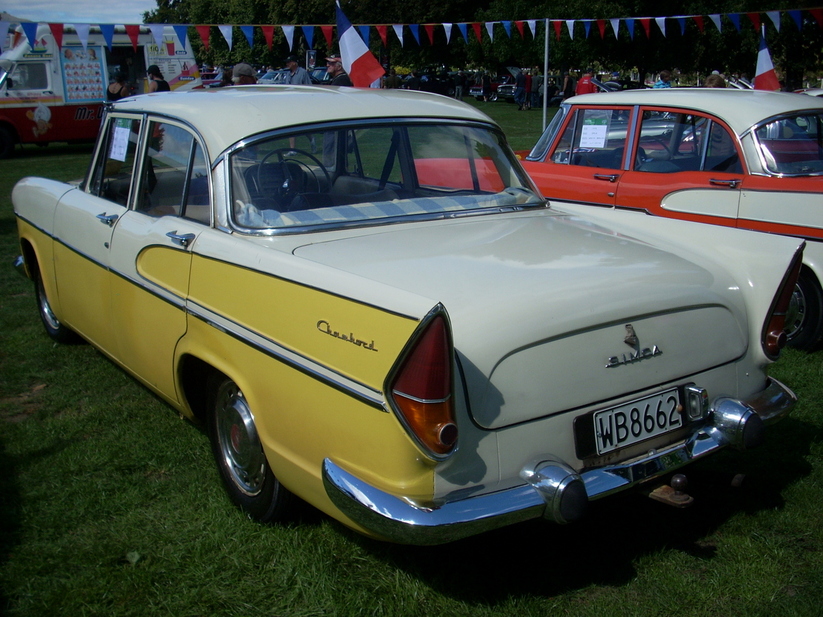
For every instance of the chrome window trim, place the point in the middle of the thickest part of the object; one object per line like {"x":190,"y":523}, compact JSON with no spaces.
{"x":764,"y":167}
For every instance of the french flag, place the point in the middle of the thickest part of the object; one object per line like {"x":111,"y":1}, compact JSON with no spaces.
{"x":764,"y":76}
{"x":361,"y":65}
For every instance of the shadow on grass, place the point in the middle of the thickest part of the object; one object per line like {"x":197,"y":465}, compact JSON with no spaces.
{"x":541,"y":559}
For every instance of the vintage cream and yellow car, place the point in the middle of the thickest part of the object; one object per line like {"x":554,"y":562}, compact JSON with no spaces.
{"x":366,"y":301}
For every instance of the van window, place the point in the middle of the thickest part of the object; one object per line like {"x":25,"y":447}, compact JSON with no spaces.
{"x":29,"y":76}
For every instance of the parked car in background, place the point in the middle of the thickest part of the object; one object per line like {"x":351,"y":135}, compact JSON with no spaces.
{"x":738,"y":158}
{"x":364,"y":299}
{"x":278,"y":76}
{"x":477,"y":89}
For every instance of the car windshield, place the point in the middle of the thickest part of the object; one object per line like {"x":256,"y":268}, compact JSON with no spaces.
{"x":345,"y":175}
{"x":793,"y":145}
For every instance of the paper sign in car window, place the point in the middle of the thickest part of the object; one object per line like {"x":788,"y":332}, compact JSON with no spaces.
{"x":595,"y":130}
{"x":120,"y":140}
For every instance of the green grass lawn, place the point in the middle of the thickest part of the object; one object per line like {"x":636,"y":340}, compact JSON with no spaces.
{"x":111,"y":505}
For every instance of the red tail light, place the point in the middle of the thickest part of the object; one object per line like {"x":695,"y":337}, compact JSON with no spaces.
{"x":421,"y":388}
{"x":774,"y":334}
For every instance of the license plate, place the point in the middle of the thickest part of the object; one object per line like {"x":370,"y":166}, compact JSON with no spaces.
{"x":637,"y":421}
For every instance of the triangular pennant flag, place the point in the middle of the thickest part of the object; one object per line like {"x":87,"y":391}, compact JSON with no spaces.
{"x":519,"y":24}
{"x":56,"y":33}
{"x":601,"y":25}
{"x":204,"y":32}
{"x":775,"y":17}
{"x":764,"y":75}
{"x":182,"y":33}
{"x":328,"y":32}
{"x":682,"y":22}
{"x":646,"y":22}
{"x":398,"y":32}
{"x":630,"y":27}
{"x":716,"y":20}
{"x":415,"y":30}
{"x":133,"y":32}
{"x":615,"y":26}
{"x":268,"y":34}
{"x":797,"y":16}
{"x":570,"y":26}
{"x":288,"y":32}
{"x":490,"y":30}
{"x":587,"y":26}
{"x":532,"y":26}
{"x":157,"y":34}
{"x":248,"y":32}
{"x":83,"y":33}
{"x":507,"y":26}
{"x":661,"y":23}
{"x":755,"y":19}
{"x":476,"y":28}
{"x":227,"y":33}
{"x":448,"y":29}
{"x":818,"y":16}
{"x":30,"y":28}
{"x":360,"y":63}
{"x":383,"y":31}
{"x":308,"y":33}
{"x":735,"y":19}
{"x":4,"y":32}
{"x":464,"y":30}
{"x":429,"y":28}
{"x":107,"y":30}
{"x":698,"y":19}
{"x":557,"y":25}
{"x":364,"y":33}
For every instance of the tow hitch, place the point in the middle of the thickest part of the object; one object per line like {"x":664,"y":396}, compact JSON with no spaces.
{"x":674,"y":494}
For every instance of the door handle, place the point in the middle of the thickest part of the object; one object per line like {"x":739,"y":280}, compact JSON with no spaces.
{"x":182,"y":239}
{"x":107,"y":219}
{"x":609,"y":177}
{"x":732,"y":184}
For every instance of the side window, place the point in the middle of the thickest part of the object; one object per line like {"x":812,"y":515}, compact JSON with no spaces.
{"x":30,"y":76}
{"x":381,"y":163}
{"x":721,"y":154}
{"x":175,"y":175}
{"x":594,"y":138}
{"x":112,"y":177}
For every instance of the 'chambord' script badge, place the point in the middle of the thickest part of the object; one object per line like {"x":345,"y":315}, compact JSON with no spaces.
{"x":637,"y":355}
{"x":326,"y":328}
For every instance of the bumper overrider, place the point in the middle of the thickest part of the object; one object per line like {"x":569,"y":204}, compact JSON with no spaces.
{"x":552,"y":489}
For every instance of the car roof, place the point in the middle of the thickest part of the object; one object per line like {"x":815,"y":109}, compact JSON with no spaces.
{"x":224,"y":116}
{"x":740,"y":109}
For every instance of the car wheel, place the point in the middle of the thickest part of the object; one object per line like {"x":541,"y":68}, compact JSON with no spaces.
{"x":54,"y":328}
{"x":236,"y":447}
{"x":804,"y":321}
{"x":6,"y":143}
{"x":493,"y":97}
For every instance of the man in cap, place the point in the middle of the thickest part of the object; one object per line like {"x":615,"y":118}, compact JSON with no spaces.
{"x":334,"y":67}
{"x":297,"y":74}
{"x":243,"y":74}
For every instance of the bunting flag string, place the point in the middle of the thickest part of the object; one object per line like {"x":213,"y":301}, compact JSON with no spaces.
{"x":157,"y":34}
{"x":182,"y":33}
{"x":107,"y":30}
{"x":248,"y":32}
{"x":268,"y":34}
{"x":226,"y":31}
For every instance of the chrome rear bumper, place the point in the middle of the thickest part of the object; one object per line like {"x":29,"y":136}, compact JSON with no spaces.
{"x":552,"y":489}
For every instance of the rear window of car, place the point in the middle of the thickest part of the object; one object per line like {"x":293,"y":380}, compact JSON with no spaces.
{"x":792,"y":145}
{"x":343,"y":175}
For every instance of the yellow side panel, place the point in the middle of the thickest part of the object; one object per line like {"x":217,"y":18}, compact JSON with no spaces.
{"x":167,"y":267}
{"x":356,"y":340}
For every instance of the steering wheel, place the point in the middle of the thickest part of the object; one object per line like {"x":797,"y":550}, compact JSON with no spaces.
{"x":288,"y":164}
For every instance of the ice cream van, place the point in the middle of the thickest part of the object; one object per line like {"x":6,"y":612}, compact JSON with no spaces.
{"x":54,"y":91}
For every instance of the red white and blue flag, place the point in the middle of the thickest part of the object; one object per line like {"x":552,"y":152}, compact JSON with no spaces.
{"x":764,"y":76}
{"x":361,"y":65}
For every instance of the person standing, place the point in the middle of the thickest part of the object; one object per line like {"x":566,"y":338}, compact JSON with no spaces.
{"x":537,"y":88}
{"x":585,"y":85}
{"x":334,"y":67}
{"x":569,"y":83}
{"x":297,"y":74}
{"x":665,"y":80}
{"x":243,"y":74}
{"x":520,"y":90}
{"x":156,"y":81}
{"x":118,"y":89}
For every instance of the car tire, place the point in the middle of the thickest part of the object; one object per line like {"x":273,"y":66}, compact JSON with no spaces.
{"x":804,"y":327}
{"x":493,"y":97}
{"x":6,"y":142}
{"x":238,"y":452}
{"x":53,"y":327}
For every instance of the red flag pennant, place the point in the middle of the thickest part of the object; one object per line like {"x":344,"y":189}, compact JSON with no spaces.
{"x":133,"y":30}
{"x":601,"y":25}
{"x":557,"y":26}
{"x":268,"y":34}
{"x":429,"y":28}
{"x":818,"y":16}
{"x":56,"y":32}
{"x":646,"y":22}
{"x":204,"y":32}
{"x":476,"y":28}
{"x":520,"y":25}
{"x":755,"y":19}
{"x":383,"y":31}
{"x":327,"y":31}
{"x":698,"y":19}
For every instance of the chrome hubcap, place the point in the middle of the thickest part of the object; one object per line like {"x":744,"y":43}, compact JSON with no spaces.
{"x":45,"y":308}
{"x":796,"y":314}
{"x":239,"y":443}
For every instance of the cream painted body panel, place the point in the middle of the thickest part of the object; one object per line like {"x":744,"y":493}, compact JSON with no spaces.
{"x":707,"y":202}
{"x":799,"y":209}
